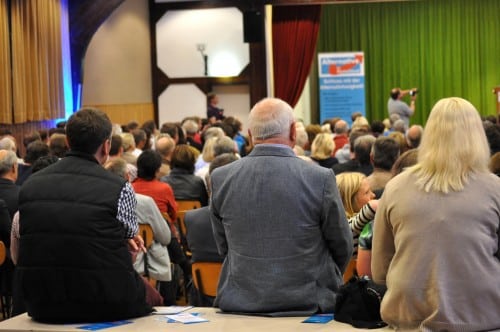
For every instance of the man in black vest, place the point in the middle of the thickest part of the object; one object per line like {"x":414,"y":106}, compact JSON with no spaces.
{"x":77,"y":232}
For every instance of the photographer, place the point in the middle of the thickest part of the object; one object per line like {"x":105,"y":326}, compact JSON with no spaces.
{"x":396,"y":106}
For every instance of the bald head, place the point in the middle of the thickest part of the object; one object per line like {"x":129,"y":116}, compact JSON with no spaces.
{"x":271,"y":121}
{"x":165,"y":146}
{"x":414,"y":135}
{"x":341,"y":127}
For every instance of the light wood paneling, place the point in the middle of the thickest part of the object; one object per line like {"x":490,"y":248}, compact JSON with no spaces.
{"x":124,"y":113}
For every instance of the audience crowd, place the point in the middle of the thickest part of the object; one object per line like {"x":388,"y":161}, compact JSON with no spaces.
{"x":286,"y":208}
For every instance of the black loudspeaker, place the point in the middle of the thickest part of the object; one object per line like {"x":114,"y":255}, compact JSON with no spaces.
{"x":253,"y":27}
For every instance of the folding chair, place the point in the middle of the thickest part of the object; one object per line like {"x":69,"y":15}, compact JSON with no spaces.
{"x":146,"y":232}
{"x":182,"y":207}
{"x":206,"y":277}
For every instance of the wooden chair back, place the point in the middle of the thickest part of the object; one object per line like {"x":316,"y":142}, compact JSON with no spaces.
{"x":3,"y":252}
{"x":206,"y":277}
{"x":350,"y":270}
{"x":146,"y":232}
{"x":182,"y":207}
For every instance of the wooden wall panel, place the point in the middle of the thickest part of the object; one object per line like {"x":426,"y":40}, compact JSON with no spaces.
{"x":124,"y":113}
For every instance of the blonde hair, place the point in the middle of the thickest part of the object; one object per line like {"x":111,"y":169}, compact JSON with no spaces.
{"x":453,"y":147}
{"x":349,"y":184}
{"x":208,"y":153}
{"x":128,"y":141}
{"x":322,"y":147}
{"x":360,"y":123}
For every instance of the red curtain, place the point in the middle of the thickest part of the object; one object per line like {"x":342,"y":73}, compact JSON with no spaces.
{"x":295,"y":32}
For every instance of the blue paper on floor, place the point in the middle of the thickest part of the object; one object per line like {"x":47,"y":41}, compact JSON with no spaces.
{"x":101,"y":326}
{"x":319,"y":319}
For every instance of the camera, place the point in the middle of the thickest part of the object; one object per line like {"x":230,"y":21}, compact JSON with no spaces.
{"x":413,"y":92}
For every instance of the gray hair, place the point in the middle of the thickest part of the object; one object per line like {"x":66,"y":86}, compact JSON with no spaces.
{"x":213,"y":132}
{"x":117,"y":166}
{"x":224,"y":145}
{"x":8,"y":143}
{"x":341,"y":127}
{"x":399,"y":125}
{"x":270,"y":117}
{"x":190,"y":126}
{"x":8,"y":160}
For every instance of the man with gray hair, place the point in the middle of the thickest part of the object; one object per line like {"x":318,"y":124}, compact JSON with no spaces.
{"x":9,"y":191}
{"x":287,"y":248}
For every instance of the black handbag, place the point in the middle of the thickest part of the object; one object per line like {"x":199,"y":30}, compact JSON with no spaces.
{"x":358,"y":303}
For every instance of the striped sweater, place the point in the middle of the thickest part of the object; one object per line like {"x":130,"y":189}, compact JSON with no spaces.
{"x":357,"y":222}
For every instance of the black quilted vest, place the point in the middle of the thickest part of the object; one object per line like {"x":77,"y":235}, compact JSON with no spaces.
{"x":74,"y":265}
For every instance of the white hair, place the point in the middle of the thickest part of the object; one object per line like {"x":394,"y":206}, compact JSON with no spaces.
{"x":270,"y":117}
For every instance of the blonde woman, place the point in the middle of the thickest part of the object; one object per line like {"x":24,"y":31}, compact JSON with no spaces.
{"x":436,"y":232}
{"x":322,"y":149}
{"x":358,"y":201}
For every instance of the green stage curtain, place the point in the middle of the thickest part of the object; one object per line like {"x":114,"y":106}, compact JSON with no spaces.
{"x":445,"y":48}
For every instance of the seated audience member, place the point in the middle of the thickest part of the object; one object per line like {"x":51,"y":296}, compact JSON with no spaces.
{"x":312,"y":130}
{"x":35,"y":150}
{"x":165,"y":146}
{"x":207,"y":154}
{"x":128,"y":143}
{"x":384,"y":153}
{"x":377,"y":128}
{"x":151,"y":131}
{"x":191,"y":129}
{"x":360,"y":157}
{"x":238,"y":138}
{"x":199,"y":234}
{"x":184,"y":183}
{"x":30,"y":138}
{"x":359,"y":203}
{"x":361,"y":123}
{"x":58,"y":145}
{"x":493,"y":136}
{"x":9,"y":143}
{"x":309,"y":250}
{"x":221,"y":145}
{"x":301,"y":140}
{"x":414,"y":136}
{"x":140,"y":140}
{"x":405,"y":160}
{"x":363,"y":262}
{"x":147,"y":212}
{"x":172,"y":130}
{"x":17,"y":302}
{"x":93,"y":278}
{"x":322,"y":149}
{"x":9,"y":191}
{"x":116,"y":151}
{"x":437,"y":235}
{"x":494,"y":164}
{"x":341,"y":135}
{"x":400,"y":138}
{"x":147,"y":183}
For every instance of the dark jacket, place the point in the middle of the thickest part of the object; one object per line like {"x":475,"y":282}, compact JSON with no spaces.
{"x":186,"y":186}
{"x":9,"y":192}
{"x":74,"y":264}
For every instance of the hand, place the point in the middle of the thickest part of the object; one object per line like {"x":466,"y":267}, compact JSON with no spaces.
{"x":373,"y":204}
{"x":135,"y":245}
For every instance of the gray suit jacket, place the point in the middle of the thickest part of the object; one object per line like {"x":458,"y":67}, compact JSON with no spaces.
{"x":280,"y":222}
